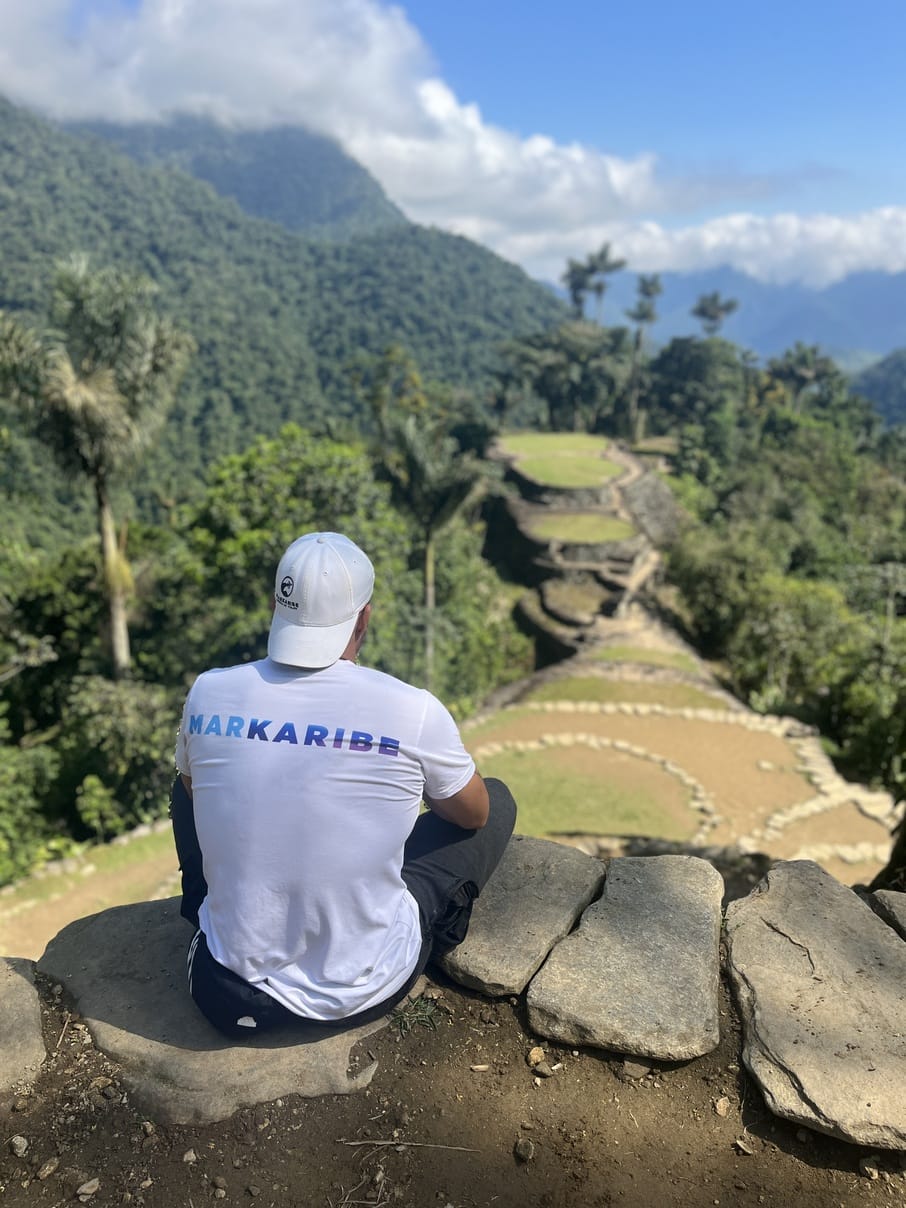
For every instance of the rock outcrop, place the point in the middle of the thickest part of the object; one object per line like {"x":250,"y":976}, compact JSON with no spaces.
{"x":125,"y":968}
{"x":537,"y":892}
{"x":820,"y":983}
{"x":640,"y":975}
{"x":21,"y":1046}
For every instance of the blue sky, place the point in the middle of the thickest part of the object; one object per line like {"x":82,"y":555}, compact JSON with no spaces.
{"x":810,"y":92}
{"x":688,"y":134}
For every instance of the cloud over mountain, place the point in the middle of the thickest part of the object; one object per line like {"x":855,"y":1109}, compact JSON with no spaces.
{"x":360,"y":71}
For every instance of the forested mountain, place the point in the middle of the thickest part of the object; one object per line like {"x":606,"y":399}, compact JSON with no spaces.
{"x":885,"y":385}
{"x":279,"y":319}
{"x":302,"y":180}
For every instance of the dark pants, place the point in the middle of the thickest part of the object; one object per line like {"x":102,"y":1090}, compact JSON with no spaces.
{"x":445,"y":869}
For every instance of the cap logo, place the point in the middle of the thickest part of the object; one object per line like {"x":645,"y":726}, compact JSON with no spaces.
{"x":286,"y":586}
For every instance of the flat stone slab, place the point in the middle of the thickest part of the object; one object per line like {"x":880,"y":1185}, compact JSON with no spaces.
{"x":21,"y":1041}
{"x":890,"y":905}
{"x":821,"y":986}
{"x":641,"y":973}
{"x":125,"y":968}
{"x":537,"y":892}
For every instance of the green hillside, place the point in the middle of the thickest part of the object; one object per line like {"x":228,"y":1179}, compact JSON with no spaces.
{"x":884,"y":384}
{"x":278,"y":318}
{"x":301,"y":180}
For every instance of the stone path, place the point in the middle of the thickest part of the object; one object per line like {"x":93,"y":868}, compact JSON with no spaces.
{"x":790,"y":803}
{"x":818,"y":977}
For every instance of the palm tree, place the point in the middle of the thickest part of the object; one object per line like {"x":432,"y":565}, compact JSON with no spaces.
{"x":435,"y":483}
{"x":712,"y":309}
{"x":575,"y":278}
{"x":599,"y":266}
{"x":642,"y":314}
{"x":99,"y":387}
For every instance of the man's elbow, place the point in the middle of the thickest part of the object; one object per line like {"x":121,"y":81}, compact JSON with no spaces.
{"x":479,"y":807}
{"x":475,"y":819}
{"x":469,"y":808}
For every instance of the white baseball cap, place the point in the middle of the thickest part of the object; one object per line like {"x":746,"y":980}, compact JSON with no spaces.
{"x":323,"y":582}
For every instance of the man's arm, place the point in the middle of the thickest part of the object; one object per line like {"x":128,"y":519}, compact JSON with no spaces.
{"x":469,"y":808}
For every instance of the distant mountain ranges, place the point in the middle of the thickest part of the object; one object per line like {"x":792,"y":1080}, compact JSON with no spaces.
{"x":307,"y":183}
{"x":856,"y":320}
{"x":288,"y":263}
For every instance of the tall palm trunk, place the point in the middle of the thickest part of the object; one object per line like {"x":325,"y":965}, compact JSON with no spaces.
{"x":636,"y":419}
{"x":115,"y":583}
{"x":429,"y":611}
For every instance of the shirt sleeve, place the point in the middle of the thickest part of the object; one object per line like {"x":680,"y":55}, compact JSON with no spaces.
{"x":182,"y":751}
{"x":447,"y":765}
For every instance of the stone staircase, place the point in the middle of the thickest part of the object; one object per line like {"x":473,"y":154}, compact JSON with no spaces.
{"x":573,"y":583}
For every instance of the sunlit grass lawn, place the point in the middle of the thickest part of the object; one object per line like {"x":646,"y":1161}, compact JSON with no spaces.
{"x":562,"y":459}
{"x":598,"y":792}
{"x":676,"y":659}
{"x":524,"y":444}
{"x":581,"y":527}
{"x":593,"y":688}
{"x":582,"y":597}
{"x":558,"y":471}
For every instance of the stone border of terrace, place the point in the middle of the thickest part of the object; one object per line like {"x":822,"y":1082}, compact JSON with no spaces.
{"x":812,"y":762}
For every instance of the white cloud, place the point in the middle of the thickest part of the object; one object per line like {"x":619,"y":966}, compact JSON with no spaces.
{"x":358,"y":69}
{"x":815,"y":249}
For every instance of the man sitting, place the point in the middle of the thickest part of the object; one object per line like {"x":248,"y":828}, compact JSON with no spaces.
{"x":318,"y":891}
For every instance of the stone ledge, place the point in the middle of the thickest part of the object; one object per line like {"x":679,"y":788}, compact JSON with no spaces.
{"x":21,"y":1045}
{"x":125,"y":969}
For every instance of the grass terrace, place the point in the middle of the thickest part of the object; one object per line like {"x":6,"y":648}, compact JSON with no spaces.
{"x":596,"y":688}
{"x":575,"y":597}
{"x":562,"y":459}
{"x":583,"y":791}
{"x":580,"y":528}
{"x":101,"y":876}
{"x":581,"y":769}
{"x":677,"y":659}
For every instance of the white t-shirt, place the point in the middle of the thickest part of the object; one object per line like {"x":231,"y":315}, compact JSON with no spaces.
{"x":306,"y":785}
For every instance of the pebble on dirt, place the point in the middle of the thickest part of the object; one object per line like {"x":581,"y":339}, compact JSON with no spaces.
{"x":47,"y":1169}
{"x":869,"y":1167}
{"x":524,"y":1149}
{"x":18,"y":1146}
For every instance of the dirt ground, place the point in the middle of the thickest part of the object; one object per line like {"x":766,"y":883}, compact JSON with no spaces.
{"x":455,"y":1116}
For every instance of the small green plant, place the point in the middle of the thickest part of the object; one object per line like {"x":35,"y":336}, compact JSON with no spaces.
{"x":415,"y":1013}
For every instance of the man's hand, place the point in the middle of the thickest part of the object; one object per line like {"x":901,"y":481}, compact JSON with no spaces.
{"x":187,"y":782}
{"x":469,"y":808}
